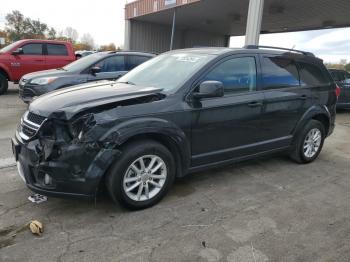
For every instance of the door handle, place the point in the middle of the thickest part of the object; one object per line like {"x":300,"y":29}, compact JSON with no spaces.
{"x":303,"y":97}
{"x":255,"y":104}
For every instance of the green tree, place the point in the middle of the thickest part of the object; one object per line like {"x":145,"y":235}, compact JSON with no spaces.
{"x":35,"y":29}
{"x":19,"y":27}
{"x":347,"y":67}
{"x":16,"y":25}
{"x":51,"y":34}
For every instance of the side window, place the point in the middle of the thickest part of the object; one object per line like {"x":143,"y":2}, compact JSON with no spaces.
{"x":135,"y":60}
{"x":238,"y":75}
{"x":311,"y":75}
{"x":57,"y":50}
{"x":112,"y":64}
{"x":334,"y":75}
{"x":32,"y":49}
{"x":279,"y":72}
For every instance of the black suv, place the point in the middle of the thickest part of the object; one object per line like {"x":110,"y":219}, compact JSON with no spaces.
{"x":342,"y":79}
{"x":180,"y":112}
{"x":95,"y":67}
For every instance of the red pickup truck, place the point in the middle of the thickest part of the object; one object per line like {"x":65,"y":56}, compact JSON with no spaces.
{"x":26,"y":56}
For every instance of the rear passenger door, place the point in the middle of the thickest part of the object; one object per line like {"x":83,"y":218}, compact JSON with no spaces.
{"x":56,"y":56}
{"x":227,"y":127}
{"x":112,"y":68}
{"x":285,"y":101}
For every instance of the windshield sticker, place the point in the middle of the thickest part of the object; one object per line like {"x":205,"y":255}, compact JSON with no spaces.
{"x":187,"y":58}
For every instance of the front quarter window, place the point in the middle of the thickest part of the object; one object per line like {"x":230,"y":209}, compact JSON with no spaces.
{"x":168,"y":71}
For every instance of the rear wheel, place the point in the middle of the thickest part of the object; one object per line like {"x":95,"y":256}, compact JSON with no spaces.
{"x":3,"y":84}
{"x":309,"y":142}
{"x":142,"y":175}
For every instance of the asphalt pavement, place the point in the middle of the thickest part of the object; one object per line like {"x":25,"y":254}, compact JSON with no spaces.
{"x":269,"y":209}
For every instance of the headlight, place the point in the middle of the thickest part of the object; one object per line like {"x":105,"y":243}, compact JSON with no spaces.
{"x":43,"y":80}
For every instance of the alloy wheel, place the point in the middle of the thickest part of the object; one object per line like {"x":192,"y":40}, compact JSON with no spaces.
{"x":312,"y":142}
{"x":145,"y":178}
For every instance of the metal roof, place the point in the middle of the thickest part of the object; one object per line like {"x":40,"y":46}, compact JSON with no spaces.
{"x":228,"y":17}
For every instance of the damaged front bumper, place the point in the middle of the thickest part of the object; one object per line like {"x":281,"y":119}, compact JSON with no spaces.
{"x":72,"y":170}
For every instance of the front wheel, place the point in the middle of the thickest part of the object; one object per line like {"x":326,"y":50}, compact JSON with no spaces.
{"x":142,"y":175}
{"x":309,"y":142}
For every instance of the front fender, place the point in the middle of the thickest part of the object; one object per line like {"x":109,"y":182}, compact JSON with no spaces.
{"x":159,"y":129}
{"x":122,"y":132}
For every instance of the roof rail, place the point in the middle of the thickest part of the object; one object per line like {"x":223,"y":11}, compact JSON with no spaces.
{"x":132,"y":51}
{"x":279,"y":48}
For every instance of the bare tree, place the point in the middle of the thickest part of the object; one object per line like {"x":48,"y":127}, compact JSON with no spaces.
{"x":88,"y":40}
{"x":71,"y":33}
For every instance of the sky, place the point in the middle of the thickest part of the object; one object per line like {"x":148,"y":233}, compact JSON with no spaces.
{"x":104,"y":20}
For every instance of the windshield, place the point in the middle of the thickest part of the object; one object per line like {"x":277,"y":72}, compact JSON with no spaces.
{"x":84,"y":62}
{"x":167,"y":71}
{"x":8,"y":48}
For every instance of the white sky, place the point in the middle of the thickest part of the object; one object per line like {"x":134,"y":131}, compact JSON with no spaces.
{"x":104,"y":20}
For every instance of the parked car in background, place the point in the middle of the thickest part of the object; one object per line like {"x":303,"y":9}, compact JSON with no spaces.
{"x":26,"y":56}
{"x":183,"y":111}
{"x":98,"y":66}
{"x":342,"y":78}
{"x":81,"y":53}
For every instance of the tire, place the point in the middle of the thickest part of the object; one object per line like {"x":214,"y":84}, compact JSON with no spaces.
{"x":122,"y":170}
{"x":3,"y":84}
{"x":300,"y":152}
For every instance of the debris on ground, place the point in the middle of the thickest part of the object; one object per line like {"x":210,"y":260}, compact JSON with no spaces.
{"x":37,"y":198}
{"x":36,"y":227}
{"x":8,"y":234}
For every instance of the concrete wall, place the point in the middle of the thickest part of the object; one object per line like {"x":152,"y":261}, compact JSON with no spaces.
{"x":149,"y":37}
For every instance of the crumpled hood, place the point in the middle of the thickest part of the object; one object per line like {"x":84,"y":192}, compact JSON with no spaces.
{"x":67,"y":102}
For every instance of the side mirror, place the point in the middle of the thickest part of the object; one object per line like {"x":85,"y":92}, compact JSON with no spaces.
{"x":18,"y":51}
{"x":209,"y":89}
{"x":94,"y":70}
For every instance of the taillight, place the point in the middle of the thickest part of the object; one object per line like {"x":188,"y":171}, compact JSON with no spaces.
{"x":337,"y":90}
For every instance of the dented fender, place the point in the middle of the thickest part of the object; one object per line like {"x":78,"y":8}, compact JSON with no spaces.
{"x":122,"y":132}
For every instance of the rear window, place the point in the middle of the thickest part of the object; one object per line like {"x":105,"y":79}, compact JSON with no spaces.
{"x":279,"y":73}
{"x":135,"y":60}
{"x":312,"y":75}
{"x":33,"y":49}
{"x":57,"y":49}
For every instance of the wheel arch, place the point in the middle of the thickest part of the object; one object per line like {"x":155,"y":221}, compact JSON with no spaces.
{"x":5,"y":72}
{"x":159,"y":130}
{"x":318,"y":113}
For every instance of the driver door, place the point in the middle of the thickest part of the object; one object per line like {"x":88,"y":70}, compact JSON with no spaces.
{"x":30,"y":60}
{"x":112,"y":68}
{"x":227,"y":127}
